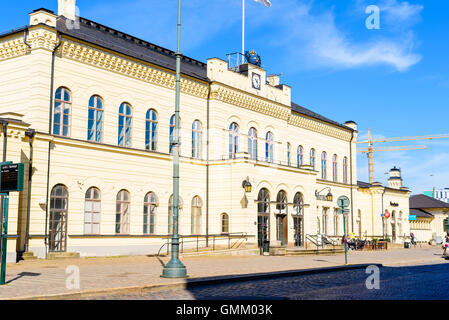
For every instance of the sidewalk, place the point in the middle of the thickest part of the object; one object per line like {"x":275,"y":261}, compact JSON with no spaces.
{"x":33,"y":279}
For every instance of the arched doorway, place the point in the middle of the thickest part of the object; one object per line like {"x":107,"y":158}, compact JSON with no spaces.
{"x":57,"y":235}
{"x":263,"y":217}
{"x":359,"y":224}
{"x":281,"y":218}
{"x":298,"y":219}
{"x":393,"y":226}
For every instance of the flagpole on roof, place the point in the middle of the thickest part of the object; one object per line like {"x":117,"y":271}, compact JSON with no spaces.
{"x":243,"y":31}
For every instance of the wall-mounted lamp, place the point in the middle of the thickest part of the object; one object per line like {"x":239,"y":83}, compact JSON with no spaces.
{"x":247,"y":185}
{"x":328,"y":197}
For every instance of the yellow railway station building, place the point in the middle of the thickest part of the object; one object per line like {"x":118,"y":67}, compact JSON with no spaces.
{"x":89,"y":110}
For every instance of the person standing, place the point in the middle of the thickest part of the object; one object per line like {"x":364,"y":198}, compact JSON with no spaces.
{"x":445,"y":244}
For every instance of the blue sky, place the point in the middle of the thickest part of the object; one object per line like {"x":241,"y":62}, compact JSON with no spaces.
{"x":394,"y":80}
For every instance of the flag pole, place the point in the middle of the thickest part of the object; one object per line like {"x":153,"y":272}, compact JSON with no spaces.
{"x":243,"y":30}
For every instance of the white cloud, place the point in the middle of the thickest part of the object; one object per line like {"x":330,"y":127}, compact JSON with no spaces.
{"x":299,"y":29}
{"x":317,"y":37}
{"x":401,"y":11}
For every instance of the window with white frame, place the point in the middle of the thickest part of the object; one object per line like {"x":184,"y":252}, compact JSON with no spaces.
{"x":95,"y":119}
{"x":151,"y":123}
{"x":62,"y":112}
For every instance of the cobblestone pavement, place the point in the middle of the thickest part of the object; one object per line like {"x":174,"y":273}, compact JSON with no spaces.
{"x":428,"y":282}
{"x":46,"y":278}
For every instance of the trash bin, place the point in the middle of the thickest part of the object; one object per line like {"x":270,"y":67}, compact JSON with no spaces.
{"x":407,"y":245}
{"x":266,"y":246}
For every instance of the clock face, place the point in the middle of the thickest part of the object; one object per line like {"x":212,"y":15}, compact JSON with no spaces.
{"x":256,"y":81}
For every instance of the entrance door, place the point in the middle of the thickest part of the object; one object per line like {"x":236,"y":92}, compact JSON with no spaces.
{"x":58,"y":219}
{"x":263,"y":214}
{"x":262,"y":229}
{"x":298,"y":229}
{"x":282,"y":229}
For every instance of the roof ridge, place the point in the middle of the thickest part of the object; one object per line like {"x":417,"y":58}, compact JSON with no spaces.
{"x":139,"y":41}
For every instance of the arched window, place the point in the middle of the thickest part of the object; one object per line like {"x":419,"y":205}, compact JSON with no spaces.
{"x":197,"y":204}
{"x":298,"y":219}
{"x":125,"y":125}
{"x":196,"y":139}
{"x":150,"y":204}
{"x":122,"y":214}
{"x":170,"y":213}
{"x":345,"y":170}
{"x":312,"y":158}
{"x":300,"y":156}
{"x":224,"y":218}
{"x":289,"y":153}
{"x":59,"y":200}
{"x":336,"y":222}
{"x":359,"y":223}
{"x":281,"y":203}
{"x":151,"y":130}
{"x":393,"y":225}
{"x":252,"y":143}
{"x":298,"y":204}
{"x":263,"y":216}
{"x":233,"y":140}
{"x":95,"y":119}
{"x":281,"y":217}
{"x":334,"y":168}
{"x":62,"y":112}
{"x":92,"y":210}
{"x":324,"y":221}
{"x":269,"y":147}
{"x":400,"y":224}
{"x":323,"y":166}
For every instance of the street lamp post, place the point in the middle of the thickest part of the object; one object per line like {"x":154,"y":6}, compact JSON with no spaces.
{"x":175,"y":268}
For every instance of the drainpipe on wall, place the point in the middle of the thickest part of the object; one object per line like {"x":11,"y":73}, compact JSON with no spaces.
{"x":383,"y":218}
{"x":352,"y":196}
{"x":50,"y":123}
{"x":25,"y":33}
{"x":30,"y":134}
{"x":207,"y":171}
{"x":5,"y":145}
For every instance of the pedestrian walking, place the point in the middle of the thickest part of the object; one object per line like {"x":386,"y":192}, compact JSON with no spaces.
{"x":412,"y":236}
{"x":445,"y":243}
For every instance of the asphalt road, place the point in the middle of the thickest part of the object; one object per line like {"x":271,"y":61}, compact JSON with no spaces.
{"x":426,"y":282}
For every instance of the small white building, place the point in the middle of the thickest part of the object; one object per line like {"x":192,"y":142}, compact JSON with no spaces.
{"x":431,"y":218}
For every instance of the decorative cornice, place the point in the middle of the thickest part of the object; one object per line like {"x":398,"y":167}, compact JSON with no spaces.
{"x":319,"y":127}
{"x":244,"y":100}
{"x":13,"y":47}
{"x":38,"y":38}
{"x":132,"y":68}
{"x":241,"y":99}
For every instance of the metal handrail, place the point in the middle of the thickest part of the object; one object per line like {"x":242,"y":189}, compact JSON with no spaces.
{"x":328,"y":240}
{"x":312,"y":238}
{"x":240,"y":236}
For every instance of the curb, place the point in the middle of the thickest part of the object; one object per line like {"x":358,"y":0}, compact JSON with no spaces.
{"x":194,"y":282}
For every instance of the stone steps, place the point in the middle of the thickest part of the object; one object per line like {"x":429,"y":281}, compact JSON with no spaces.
{"x":306,"y":252}
{"x":28,"y":256}
{"x":227,"y":252}
{"x":62,"y":255}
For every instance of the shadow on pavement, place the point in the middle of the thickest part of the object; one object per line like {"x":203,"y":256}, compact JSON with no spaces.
{"x":24,"y":274}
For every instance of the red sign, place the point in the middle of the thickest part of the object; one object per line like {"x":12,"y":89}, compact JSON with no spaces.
{"x":387,"y":214}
